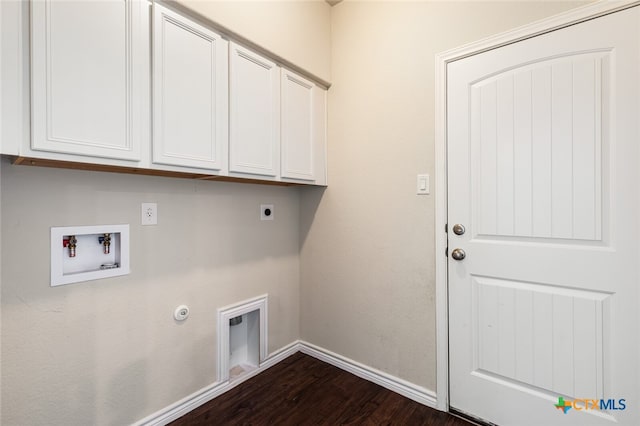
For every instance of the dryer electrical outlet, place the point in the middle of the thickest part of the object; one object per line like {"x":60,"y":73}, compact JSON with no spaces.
{"x":267,"y":212}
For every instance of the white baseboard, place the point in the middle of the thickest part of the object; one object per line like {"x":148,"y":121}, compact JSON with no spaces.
{"x":178,"y":409}
{"x":206,"y":394}
{"x":417,"y":393}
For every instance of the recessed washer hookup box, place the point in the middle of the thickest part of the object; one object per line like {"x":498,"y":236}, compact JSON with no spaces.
{"x":84,"y":253}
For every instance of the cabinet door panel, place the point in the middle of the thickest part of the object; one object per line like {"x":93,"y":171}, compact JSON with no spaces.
{"x":190,"y":93}
{"x":255,"y":113}
{"x":87,"y":78}
{"x":297,"y":138}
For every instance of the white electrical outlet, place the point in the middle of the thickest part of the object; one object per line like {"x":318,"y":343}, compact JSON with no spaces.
{"x":149,"y":214}
{"x":267,"y":212}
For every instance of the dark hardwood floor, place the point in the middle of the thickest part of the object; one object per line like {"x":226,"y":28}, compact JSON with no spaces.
{"x":302,"y":390}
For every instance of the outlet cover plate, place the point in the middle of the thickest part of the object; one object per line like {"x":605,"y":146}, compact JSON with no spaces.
{"x":267,"y":212}
{"x":149,"y":213}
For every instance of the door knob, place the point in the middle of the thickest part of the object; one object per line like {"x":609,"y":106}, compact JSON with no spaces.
{"x":458,"y":254}
{"x":458,"y":229}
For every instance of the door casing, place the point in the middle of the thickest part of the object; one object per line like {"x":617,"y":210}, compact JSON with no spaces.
{"x":544,"y":26}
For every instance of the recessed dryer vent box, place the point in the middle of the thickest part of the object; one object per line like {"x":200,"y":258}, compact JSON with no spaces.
{"x":84,"y":253}
{"x":242,"y":338}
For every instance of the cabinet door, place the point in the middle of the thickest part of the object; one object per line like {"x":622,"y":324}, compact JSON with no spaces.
{"x":11,"y":77}
{"x":297,"y":127}
{"x":190,"y":92}
{"x":87,"y":77}
{"x":255,"y":113}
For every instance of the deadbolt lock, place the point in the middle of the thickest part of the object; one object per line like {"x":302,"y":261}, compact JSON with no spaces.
{"x":458,"y":229}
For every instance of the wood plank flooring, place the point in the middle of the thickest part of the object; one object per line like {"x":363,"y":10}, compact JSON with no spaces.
{"x":302,"y":390}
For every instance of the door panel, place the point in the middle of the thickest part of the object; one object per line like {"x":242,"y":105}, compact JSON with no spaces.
{"x":525,"y":332}
{"x":542,"y":171}
{"x":255,"y":113}
{"x":298,"y":126}
{"x":540,"y":184}
{"x":190,"y":93}
{"x":87,"y":77}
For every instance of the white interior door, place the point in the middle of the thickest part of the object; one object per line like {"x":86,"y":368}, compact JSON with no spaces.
{"x":543,"y":174}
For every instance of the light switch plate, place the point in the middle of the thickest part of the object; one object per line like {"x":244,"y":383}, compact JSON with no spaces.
{"x":422,"y":185}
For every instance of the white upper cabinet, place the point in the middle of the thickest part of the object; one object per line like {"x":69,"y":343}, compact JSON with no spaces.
{"x":87,"y":77}
{"x":12,"y":78}
{"x":190,"y":93}
{"x":254,"y":97}
{"x":302,"y":127}
{"x":139,"y":84}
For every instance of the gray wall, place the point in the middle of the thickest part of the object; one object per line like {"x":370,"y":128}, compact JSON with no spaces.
{"x":367,"y":248}
{"x":350,"y":269}
{"x":109,"y":351}
{"x":296,"y":30}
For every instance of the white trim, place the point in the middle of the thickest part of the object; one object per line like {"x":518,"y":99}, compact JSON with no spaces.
{"x":562,"y":20}
{"x":417,"y":393}
{"x":259,"y":304}
{"x":206,"y":394}
{"x":442,"y":300}
{"x":180,"y":408}
{"x":553,"y":23}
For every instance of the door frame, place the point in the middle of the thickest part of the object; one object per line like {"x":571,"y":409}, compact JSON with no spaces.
{"x":571,"y":17}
